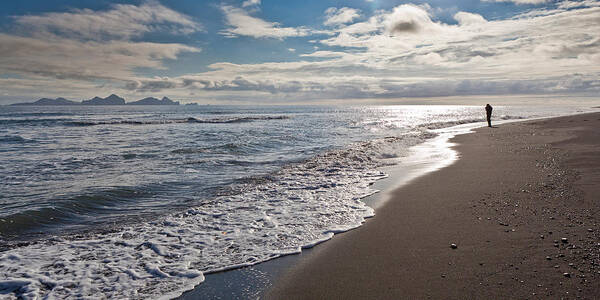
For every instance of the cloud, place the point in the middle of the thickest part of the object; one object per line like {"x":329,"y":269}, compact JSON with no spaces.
{"x":84,"y":45}
{"x":465,"y":18}
{"x":408,"y":18}
{"x":150,"y":85}
{"x":250,"y":3}
{"x":338,"y":16}
{"x":578,"y":4}
{"x":404,"y":52}
{"x":520,"y":2}
{"x":399,"y":52}
{"x":64,"y":58}
{"x":121,"y":22}
{"x":240,"y":23}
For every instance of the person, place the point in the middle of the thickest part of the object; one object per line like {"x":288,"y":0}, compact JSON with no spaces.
{"x":488,"y":112}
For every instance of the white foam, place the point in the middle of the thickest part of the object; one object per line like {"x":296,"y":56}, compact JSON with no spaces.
{"x":299,"y":207}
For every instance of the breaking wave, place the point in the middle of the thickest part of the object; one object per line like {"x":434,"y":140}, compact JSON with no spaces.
{"x":173,"y":121}
{"x":256,"y":219}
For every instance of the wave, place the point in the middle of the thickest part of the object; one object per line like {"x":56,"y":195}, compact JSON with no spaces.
{"x":71,"y":210}
{"x":83,"y":123}
{"x":34,"y":122}
{"x":16,"y":139}
{"x":174,"y":121}
{"x":236,"y":119}
{"x":255,"y":219}
{"x":36,"y":114}
{"x":228,"y":148}
{"x":439,"y":125}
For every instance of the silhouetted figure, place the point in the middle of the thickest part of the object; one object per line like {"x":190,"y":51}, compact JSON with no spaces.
{"x":488,"y":112}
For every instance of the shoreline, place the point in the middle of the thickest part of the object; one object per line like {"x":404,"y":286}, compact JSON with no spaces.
{"x":254,"y":280}
{"x":499,"y":246}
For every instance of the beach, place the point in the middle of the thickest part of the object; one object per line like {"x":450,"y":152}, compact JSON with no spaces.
{"x":520,"y":205}
{"x":217,"y":216}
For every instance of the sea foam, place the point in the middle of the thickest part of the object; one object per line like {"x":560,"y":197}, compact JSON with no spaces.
{"x":297,"y":207}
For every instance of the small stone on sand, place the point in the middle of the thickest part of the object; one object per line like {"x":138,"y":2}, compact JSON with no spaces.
{"x":453,"y":246}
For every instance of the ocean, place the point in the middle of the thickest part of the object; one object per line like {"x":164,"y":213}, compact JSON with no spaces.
{"x":142,"y":202}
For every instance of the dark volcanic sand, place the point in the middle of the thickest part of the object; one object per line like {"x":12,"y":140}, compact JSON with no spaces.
{"x":515,"y":193}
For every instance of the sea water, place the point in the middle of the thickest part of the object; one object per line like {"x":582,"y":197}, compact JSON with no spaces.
{"x":141,"y":202}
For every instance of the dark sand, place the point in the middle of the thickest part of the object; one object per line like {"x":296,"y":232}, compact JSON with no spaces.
{"x":516,"y":191}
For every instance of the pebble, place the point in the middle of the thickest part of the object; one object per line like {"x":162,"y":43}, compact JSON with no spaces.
{"x":541,"y":236}
{"x":548,"y":258}
{"x":566,"y":274}
{"x":590,"y":230}
{"x":564,"y":240}
{"x":453,"y":246}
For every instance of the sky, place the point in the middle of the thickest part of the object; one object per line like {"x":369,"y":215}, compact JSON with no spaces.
{"x":267,"y":52}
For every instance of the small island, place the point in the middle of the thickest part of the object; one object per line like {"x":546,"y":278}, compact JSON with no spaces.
{"x":110,"y":100}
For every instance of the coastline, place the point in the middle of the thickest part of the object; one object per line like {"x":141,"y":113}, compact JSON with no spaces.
{"x":253,"y":281}
{"x":512,"y":186}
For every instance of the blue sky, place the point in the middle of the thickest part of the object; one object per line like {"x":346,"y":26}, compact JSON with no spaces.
{"x":298,"y":51}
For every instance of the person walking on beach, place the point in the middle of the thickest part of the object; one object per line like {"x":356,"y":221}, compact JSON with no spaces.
{"x":488,"y":112}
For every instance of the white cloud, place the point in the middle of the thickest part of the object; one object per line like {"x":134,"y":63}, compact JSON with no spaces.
{"x":240,"y":23}
{"x":400,"y":52}
{"x":86,"y":46}
{"x":578,"y":4}
{"x":465,"y":18}
{"x":409,"y":19}
{"x":520,"y":2}
{"x":64,"y":58}
{"x":250,"y":3}
{"x":403,"y":52}
{"x":122,"y":22}
{"x":291,"y":49}
{"x":338,"y":16}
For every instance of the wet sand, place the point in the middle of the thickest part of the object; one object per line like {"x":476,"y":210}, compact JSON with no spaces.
{"x":521,"y":205}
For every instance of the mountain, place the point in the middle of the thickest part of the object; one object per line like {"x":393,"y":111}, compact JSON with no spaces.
{"x":154,"y":101}
{"x":110,"y":100}
{"x":48,"y":101}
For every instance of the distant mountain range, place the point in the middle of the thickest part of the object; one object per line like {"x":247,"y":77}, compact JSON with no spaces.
{"x":110,"y":100}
